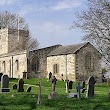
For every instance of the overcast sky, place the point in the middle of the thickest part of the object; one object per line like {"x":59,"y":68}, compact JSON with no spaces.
{"x":49,"y":20}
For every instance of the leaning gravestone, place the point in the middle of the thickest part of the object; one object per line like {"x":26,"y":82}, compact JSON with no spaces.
{"x":1,"y":75}
{"x":83,"y":87}
{"x":90,"y":87}
{"x":5,"y":83}
{"x":29,"y":89}
{"x":20,"y":85}
{"x":78,"y":87}
{"x":15,"y":86}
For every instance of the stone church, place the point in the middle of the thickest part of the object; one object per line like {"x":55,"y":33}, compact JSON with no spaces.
{"x":75,"y":62}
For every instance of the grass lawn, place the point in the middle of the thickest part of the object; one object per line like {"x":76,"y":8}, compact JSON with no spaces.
{"x":27,"y":101}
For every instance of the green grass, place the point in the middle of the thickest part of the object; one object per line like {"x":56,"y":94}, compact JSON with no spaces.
{"x":27,"y":101}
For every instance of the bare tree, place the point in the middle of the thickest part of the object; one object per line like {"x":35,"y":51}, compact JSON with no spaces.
{"x":15,"y":22}
{"x":95,"y":22}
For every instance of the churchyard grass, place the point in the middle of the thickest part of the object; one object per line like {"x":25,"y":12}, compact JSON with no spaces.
{"x":27,"y":101}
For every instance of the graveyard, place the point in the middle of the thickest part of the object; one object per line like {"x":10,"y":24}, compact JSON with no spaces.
{"x":28,"y":100}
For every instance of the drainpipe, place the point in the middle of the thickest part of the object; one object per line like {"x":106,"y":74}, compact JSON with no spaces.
{"x":12,"y":66}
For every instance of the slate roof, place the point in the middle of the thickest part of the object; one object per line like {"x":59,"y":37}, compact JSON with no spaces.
{"x":70,"y":49}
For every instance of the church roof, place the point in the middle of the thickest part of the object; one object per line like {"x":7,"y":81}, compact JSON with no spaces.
{"x":70,"y":49}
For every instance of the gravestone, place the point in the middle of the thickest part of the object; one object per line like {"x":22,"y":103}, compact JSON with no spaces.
{"x":72,"y":95}
{"x":54,"y":80}
{"x":70,"y":84}
{"x":53,"y":94}
{"x":15,"y":86}
{"x":78,"y":87}
{"x":1,"y":75}
{"x":20,"y":85}
{"x":5,"y":83}
{"x":83,"y":84}
{"x":50,"y":76}
{"x":83,"y":87}
{"x":29,"y":89}
{"x":90,"y":87}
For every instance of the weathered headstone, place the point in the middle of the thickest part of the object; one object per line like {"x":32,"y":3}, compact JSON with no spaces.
{"x":78,"y":87}
{"x":83,"y":84}
{"x":52,"y":95}
{"x":70,"y":84}
{"x":29,"y":89}
{"x":15,"y":86}
{"x":1,"y":75}
{"x":72,"y":95}
{"x":83,"y":87}
{"x":5,"y":83}
{"x":20,"y":85}
{"x":90,"y":87}
{"x":50,"y":76}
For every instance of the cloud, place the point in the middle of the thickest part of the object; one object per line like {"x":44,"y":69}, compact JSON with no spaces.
{"x":8,"y":2}
{"x":66,"y":4}
{"x":54,"y":6}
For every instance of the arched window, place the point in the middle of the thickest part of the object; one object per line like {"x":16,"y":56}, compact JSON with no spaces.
{"x":55,"y":68}
{"x":89,"y":62}
{"x":4,"y":66}
{"x":17,"y":65}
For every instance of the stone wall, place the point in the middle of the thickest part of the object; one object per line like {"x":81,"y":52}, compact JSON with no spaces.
{"x":11,"y":66}
{"x":81,"y":59}
{"x":65,"y":63}
{"x":40,"y":56}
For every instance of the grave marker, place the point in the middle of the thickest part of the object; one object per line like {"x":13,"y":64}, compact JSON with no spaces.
{"x":5,"y":83}
{"x":90,"y":87}
{"x":20,"y":85}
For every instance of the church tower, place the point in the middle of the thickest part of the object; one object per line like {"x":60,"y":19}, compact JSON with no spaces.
{"x":11,"y":41}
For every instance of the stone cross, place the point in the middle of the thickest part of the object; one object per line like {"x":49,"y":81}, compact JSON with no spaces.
{"x":5,"y":83}
{"x":54,"y":80}
{"x":78,"y":87}
{"x":50,"y":76}
{"x":90,"y":87}
{"x":20,"y":85}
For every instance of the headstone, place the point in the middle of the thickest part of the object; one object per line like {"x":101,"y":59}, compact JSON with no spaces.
{"x":72,"y":95}
{"x":54,"y":80}
{"x":50,"y":76}
{"x":90,"y":87}
{"x":1,"y":75}
{"x":15,"y":86}
{"x":5,"y":83}
{"x":29,"y":89}
{"x":83,"y":84}
{"x":83,"y":87}
{"x":78,"y":87}
{"x":52,"y":95}
{"x":70,"y":84}
{"x":20,"y":85}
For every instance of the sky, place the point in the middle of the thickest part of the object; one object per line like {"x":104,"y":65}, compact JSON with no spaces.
{"x":49,"y":20}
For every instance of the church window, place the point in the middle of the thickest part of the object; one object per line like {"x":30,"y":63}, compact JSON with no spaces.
{"x":35,"y":64}
{"x":17,"y":64}
{"x":55,"y":68}
{"x":4,"y":66}
{"x":89,"y":61}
